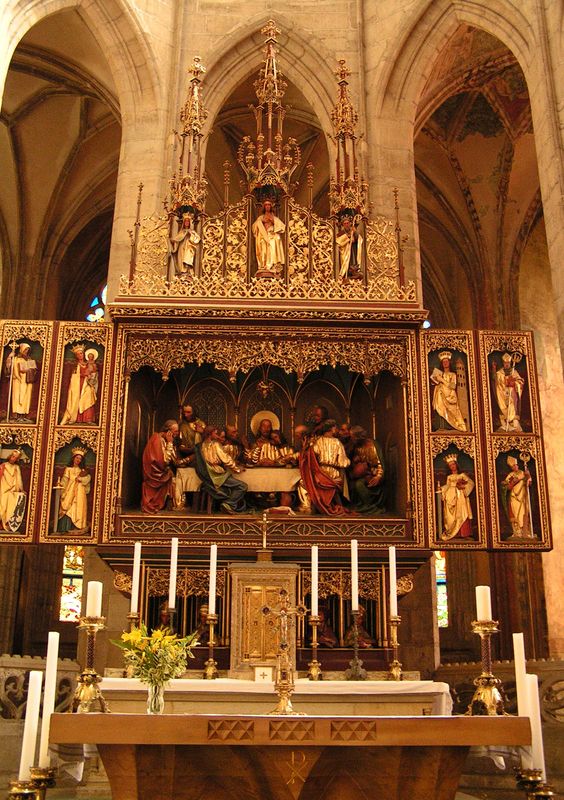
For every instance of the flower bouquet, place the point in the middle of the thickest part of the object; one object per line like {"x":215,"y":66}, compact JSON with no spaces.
{"x":155,"y":659}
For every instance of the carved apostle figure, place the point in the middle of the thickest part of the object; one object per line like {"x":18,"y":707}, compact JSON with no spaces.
{"x":184,"y":247}
{"x":349,"y":243}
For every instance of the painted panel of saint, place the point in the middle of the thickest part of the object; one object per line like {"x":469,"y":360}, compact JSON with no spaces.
{"x":448,"y":375}
{"x":21,"y":377}
{"x":455,"y":496}
{"x":81,"y":383}
{"x":517,"y":492}
{"x":15,"y":478}
{"x":72,"y":492}
{"x":510,"y":400}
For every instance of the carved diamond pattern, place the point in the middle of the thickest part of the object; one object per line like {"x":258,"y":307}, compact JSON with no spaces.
{"x":348,"y":731}
{"x":226,"y":729}
{"x":299,"y":731}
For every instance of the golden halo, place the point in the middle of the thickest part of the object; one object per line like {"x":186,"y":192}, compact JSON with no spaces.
{"x":259,"y":416}
{"x":91,"y":350}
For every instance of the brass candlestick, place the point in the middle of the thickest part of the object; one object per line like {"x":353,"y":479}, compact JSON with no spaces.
{"x":356,"y":672}
{"x":210,"y":667}
{"x":394,"y":667}
{"x":314,"y":672}
{"x":88,"y":691}
{"x":42,"y":778}
{"x":531,"y":782}
{"x":133,"y":619}
{"x":284,"y":684}
{"x":22,"y":790}
{"x":487,"y":700}
{"x":171,"y":614}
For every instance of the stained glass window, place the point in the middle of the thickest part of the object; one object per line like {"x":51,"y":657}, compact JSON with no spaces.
{"x":442,"y":597}
{"x":71,"y":587}
{"x":97,"y":310}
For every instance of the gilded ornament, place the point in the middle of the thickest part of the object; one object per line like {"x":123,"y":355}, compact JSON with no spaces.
{"x":441,"y":443}
{"x":65,"y":436}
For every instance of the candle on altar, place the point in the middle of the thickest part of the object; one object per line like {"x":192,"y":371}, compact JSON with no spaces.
{"x":393,"y":582}
{"x":49,"y":695}
{"x":27,"y":758}
{"x":135,"y":578}
{"x":354,"y":575}
{"x":314,"y":581}
{"x":483,"y":604}
{"x":213,"y":578}
{"x":172,"y":575}
{"x":94,"y":599}
{"x":520,"y":673}
{"x":533,"y":709}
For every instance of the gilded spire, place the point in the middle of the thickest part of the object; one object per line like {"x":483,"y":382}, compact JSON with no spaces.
{"x":347,"y":189}
{"x":268,"y":160}
{"x":188,"y":188}
{"x":193,"y":114}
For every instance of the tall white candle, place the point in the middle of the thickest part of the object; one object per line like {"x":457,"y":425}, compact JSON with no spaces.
{"x":94,"y":599}
{"x":532,"y":684}
{"x":393,"y":582}
{"x":520,"y":672}
{"x":27,"y":759}
{"x":213,"y":578}
{"x":354,"y":575}
{"x":134,"y":608}
{"x":48,"y":696}
{"x":172,"y":576}
{"x":314,"y":581}
{"x":483,"y":603}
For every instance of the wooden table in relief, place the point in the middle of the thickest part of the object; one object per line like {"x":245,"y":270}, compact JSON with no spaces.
{"x":284,"y":758}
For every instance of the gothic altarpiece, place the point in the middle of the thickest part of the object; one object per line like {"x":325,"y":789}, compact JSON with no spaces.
{"x":267,"y":308}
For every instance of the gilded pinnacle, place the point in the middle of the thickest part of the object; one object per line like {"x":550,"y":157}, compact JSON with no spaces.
{"x":270,"y":30}
{"x":197,"y":67}
{"x":343,"y":72}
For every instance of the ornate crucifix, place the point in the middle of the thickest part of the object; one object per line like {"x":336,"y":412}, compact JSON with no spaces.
{"x":284,"y":683}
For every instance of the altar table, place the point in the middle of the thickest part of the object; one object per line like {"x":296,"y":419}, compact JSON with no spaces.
{"x":228,"y":696}
{"x":232,"y":757}
{"x":258,"y":479}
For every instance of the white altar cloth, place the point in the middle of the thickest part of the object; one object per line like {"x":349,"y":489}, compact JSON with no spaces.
{"x":222,"y":693}
{"x":258,"y":479}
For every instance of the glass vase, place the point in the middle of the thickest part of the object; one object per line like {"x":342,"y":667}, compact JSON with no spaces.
{"x":155,"y":698}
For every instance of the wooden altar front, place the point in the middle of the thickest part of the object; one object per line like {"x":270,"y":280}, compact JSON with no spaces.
{"x":284,"y":758}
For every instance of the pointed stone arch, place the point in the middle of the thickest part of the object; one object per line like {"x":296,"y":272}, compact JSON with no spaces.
{"x":112,"y":22}
{"x":402,"y":83}
{"x":306,"y":62}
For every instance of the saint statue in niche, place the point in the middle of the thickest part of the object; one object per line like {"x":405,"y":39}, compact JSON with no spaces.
{"x":349,"y":243}
{"x":447,"y":413}
{"x":12,"y":495}
{"x":455,"y":512}
{"x":268,"y":242}
{"x":516,"y":497}
{"x":74,"y":489}
{"x":509,"y":384}
{"x":82,"y":391}
{"x":183,"y":246}
{"x":21,"y":370}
